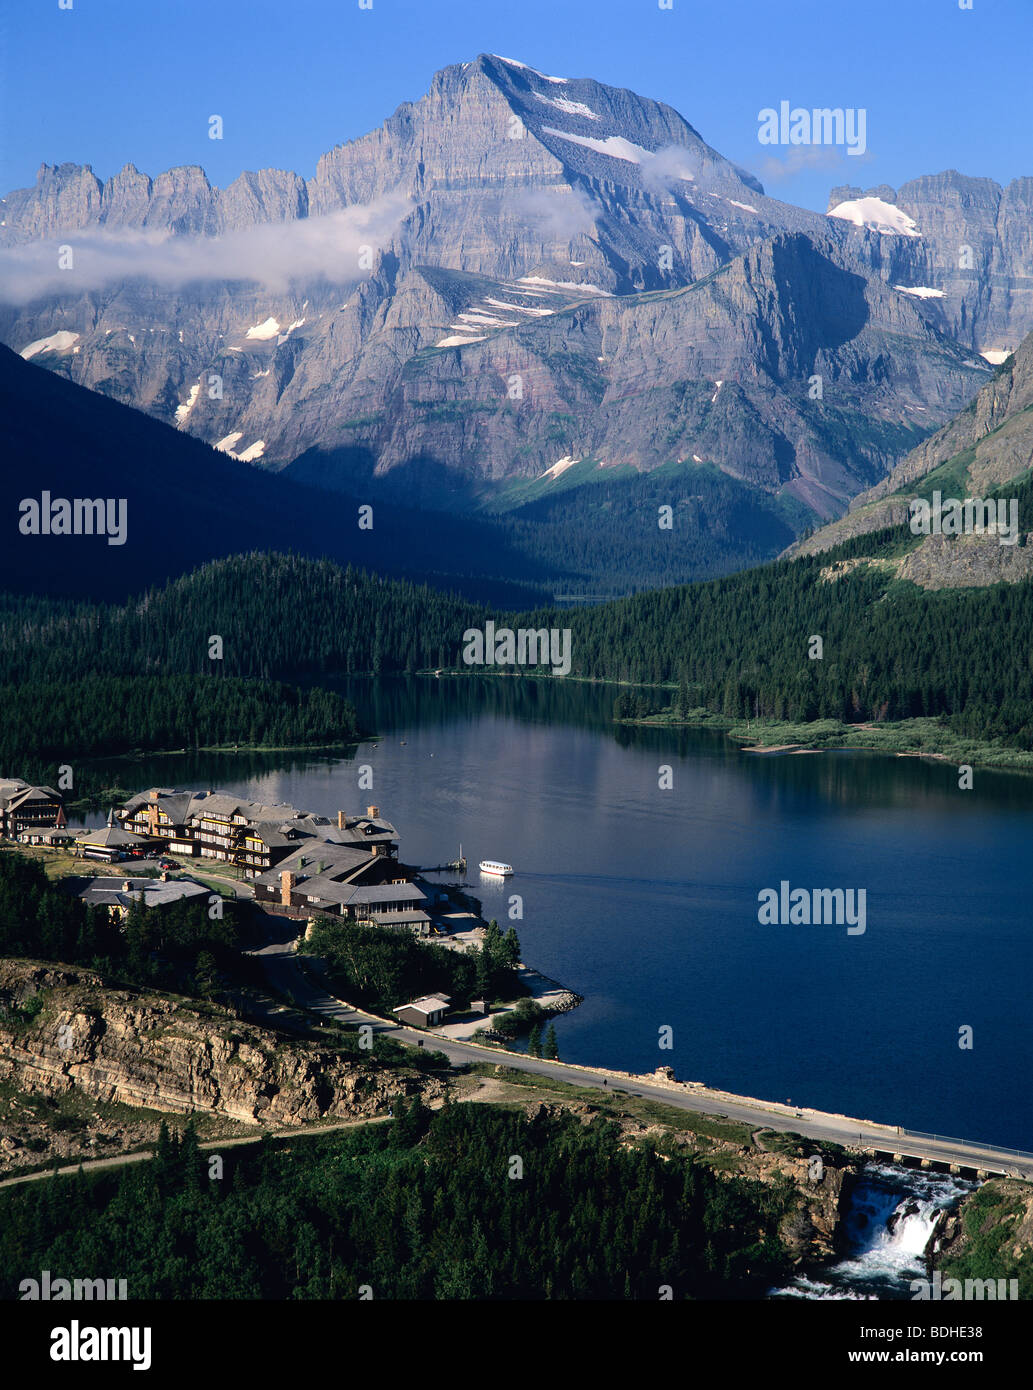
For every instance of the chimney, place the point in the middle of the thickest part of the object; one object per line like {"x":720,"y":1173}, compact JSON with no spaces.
{"x":342,"y":821}
{"x":287,"y":881}
{"x":164,"y":876}
{"x":126,"y":886}
{"x":372,"y":812}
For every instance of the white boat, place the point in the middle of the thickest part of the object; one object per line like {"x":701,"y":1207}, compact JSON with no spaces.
{"x":493,"y":866}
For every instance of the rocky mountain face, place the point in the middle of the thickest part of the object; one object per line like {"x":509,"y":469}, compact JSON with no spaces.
{"x":969,"y":251}
{"x":989,"y":443}
{"x":513,"y":273}
{"x":119,"y":1046}
{"x":722,"y":371}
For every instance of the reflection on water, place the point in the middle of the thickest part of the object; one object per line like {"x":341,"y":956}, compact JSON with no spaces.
{"x":644,"y":901}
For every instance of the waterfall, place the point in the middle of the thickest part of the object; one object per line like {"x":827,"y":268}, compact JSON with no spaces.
{"x":891,"y":1216}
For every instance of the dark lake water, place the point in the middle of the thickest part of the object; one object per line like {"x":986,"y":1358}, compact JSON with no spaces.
{"x":645,"y":901}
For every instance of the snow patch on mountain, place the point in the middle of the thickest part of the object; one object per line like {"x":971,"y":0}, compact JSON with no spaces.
{"x":253,"y":451}
{"x":520,"y":308}
{"x":570,"y":108}
{"x":264,"y":331}
{"x":478,"y":319}
{"x":874,"y":212}
{"x":560,"y":466}
{"x":182,"y":411}
{"x":57,"y":342}
{"x":282,"y":337}
{"x":583,"y":287}
{"x":459,"y":340}
{"x":920,"y":291}
{"x":614,"y":146}
{"x":995,"y":356}
{"x":514,"y":64}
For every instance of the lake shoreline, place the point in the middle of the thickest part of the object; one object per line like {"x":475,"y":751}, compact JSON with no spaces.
{"x":922,"y":737}
{"x":904,"y":739}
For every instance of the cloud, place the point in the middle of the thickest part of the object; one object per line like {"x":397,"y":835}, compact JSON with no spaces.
{"x":669,"y":166}
{"x":678,"y":169}
{"x":272,"y":254}
{"x":809,"y":158}
{"x":557,"y":214}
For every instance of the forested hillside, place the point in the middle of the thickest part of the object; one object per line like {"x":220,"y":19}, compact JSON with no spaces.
{"x":424,"y":1208}
{"x":738,"y":646}
{"x":890,"y":650}
{"x":87,"y":680}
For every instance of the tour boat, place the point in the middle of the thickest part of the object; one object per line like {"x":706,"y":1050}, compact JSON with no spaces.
{"x":492,"y":866}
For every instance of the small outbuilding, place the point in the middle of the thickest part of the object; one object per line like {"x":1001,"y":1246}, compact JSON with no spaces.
{"x":407,"y":920}
{"x":425,"y":1012}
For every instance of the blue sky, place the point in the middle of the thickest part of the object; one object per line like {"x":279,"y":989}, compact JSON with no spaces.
{"x":116,"y":81}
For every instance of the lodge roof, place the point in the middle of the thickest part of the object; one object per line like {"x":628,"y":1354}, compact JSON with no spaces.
{"x":13,"y":792}
{"x":109,"y":892}
{"x":338,"y":861}
{"x":182,"y":806}
{"x":109,"y":835}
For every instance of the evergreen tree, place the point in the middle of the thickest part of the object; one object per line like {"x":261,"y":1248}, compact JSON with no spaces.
{"x":534,"y":1041}
{"x":204,"y":972}
{"x":510,"y":949}
{"x":484,"y":974}
{"x":552,"y":1050}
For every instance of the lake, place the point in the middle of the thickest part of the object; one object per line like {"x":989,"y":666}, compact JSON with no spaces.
{"x":645,"y":900}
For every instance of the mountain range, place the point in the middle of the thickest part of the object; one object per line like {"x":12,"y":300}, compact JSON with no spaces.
{"x":531,"y":295}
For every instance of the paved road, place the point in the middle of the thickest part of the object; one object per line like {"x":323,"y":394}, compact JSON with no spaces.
{"x":302,"y":983}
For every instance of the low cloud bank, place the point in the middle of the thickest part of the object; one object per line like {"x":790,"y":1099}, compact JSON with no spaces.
{"x":336,"y":247}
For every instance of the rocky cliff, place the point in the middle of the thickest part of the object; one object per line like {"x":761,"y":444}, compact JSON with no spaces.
{"x":972,"y":250}
{"x":989,"y":1237}
{"x":62,"y":1031}
{"x":988,"y":444}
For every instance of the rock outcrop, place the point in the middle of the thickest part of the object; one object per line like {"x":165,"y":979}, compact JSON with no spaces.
{"x":151,"y":1051}
{"x":990,"y":443}
{"x":989,"y":1236}
{"x":966,"y":562}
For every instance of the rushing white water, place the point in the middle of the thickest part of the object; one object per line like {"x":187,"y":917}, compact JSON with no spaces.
{"x":888,"y":1225}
